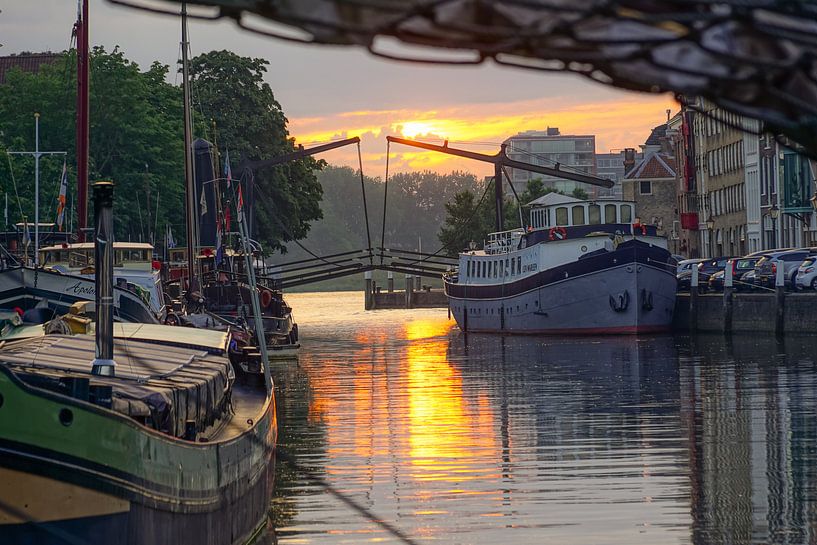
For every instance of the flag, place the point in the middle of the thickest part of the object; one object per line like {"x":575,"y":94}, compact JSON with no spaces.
{"x":228,"y":173}
{"x":203,"y":201}
{"x":219,"y":255}
{"x":62,"y":197}
{"x":26,"y":234}
{"x":170,"y":243}
{"x":240,"y":206}
{"x":227,"y":217}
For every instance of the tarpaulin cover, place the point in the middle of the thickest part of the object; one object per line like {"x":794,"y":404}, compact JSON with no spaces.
{"x":753,"y":57}
{"x":170,"y":385}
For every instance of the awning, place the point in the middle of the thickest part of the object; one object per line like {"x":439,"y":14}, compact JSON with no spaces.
{"x":752,"y":57}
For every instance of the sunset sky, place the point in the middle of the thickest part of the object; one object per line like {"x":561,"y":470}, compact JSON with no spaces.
{"x":331,"y":92}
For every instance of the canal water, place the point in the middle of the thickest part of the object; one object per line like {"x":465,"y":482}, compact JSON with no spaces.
{"x":484,"y":439}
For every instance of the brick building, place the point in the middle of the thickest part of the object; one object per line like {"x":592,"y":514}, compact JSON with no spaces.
{"x":651,"y":184}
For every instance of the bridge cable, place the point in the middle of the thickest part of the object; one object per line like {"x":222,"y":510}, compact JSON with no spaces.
{"x":259,"y":187}
{"x":385,"y":194}
{"x":365,"y":207}
{"x":515,"y":194}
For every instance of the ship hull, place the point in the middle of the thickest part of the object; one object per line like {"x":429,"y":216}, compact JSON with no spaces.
{"x":105,"y":479}
{"x":626,"y":291}
{"x":25,"y":287}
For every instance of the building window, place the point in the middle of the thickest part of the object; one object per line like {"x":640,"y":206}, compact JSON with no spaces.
{"x":645,"y":187}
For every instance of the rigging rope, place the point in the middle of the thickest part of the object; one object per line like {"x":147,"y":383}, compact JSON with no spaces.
{"x":365,"y":207}
{"x":385,"y":195}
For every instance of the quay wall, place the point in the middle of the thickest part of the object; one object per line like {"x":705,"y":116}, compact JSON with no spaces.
{"x":751,"y":312}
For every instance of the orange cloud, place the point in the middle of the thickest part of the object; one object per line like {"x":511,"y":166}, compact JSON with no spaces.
{"x":617,"y":123}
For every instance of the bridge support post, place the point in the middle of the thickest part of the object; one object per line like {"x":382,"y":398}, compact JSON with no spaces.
{"x":418,"y":283}
{"x":368,"y":300}
{"x":390,"y":282}
{"x":409,"y":290}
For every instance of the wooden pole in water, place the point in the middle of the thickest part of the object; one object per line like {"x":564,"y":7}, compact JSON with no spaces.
{"x":780,"y":298}
{"x":368,"y":299}
{"x":693,"y":299}
{"x":409,"y":288}
{"x":728,"y":280}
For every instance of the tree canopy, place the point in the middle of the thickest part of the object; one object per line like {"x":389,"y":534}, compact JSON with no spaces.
{"x":137,"y":141}
{"x":229,"y":91}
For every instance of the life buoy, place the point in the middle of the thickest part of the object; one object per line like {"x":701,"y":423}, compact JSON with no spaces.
{"x":557,"y":233}
{"x":266,"y":298}
{"x":640,"y":226}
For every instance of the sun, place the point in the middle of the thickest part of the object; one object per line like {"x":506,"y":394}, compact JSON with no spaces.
{"x":412,"y":129}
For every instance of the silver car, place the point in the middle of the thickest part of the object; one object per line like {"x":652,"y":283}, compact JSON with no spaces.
{"x":807,"y":274}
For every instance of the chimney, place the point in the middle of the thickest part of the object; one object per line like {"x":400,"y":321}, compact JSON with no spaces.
{"x":629,"y":160}
{"x":103,"y":363}
{"x":553,"y":131}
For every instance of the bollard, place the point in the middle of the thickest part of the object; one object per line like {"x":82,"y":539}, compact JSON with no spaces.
{"x":368,"y":300}
{"x":409,"y":288}
{"x":728,"y":290}
{"x":390,"y":282}
{"x":693,"y":299}
{"x":780,"y":297}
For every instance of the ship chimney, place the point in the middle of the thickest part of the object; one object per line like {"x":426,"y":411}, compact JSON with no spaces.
{"x":103,"y":363}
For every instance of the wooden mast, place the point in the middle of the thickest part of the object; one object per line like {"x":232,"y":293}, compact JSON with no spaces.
{"x":83,"y":115}
{"x":190,"y":191}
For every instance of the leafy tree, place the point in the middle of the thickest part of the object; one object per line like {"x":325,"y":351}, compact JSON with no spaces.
{"x":229,"y":90}
{"x":136,"y":139}
{"x":466,"y":221}
{"x":580,"y":193}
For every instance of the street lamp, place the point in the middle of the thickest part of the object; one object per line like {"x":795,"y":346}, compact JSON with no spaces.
{"x":774,"y":213}
{"x":710,"y":226}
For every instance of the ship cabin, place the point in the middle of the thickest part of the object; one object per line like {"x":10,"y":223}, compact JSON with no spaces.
{"x":134,"y":267}
{"x":555,"y":210}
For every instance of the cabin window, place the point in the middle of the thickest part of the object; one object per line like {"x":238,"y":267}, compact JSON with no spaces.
{"x":561,"y":216}
{"x":484,"y":265}
{"x":594,"y":214}
{"x":507,"y":267}
{"x":626,"y":214}
{"x":496,"y":269}
{"x":578,"y":215}
{"x":519,"y":264}
{"x":610,"y":213}
{"x":513,"y":267}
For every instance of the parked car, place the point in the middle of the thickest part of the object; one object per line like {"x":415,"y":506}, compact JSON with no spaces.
{"x":790,"y":260}
{"x":740,"y":266}
{"x":807,"y":274}
{"x":705,"y":268}
{"x":686,"y":264}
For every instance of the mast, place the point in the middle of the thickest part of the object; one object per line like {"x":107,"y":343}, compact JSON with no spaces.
{"x":188,"y":154}
{"x":103,"y":363}
{"x":83,"y":115}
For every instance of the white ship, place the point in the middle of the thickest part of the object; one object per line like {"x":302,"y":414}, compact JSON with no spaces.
{"x":583,"y":267}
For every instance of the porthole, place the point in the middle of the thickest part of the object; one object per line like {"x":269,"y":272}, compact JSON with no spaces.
{"x":66,"y":417}
{"x":584,"y":248}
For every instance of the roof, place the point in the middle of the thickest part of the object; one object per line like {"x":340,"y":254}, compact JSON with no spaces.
{"x":659,"y":132}
{"x":90,"y":246}
{"x":553,"y":198}
{"x":653,"y":166}
{"x":27,"y":62}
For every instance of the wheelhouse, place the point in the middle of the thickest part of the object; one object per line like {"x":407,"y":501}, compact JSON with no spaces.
{"x":569,"y":212}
